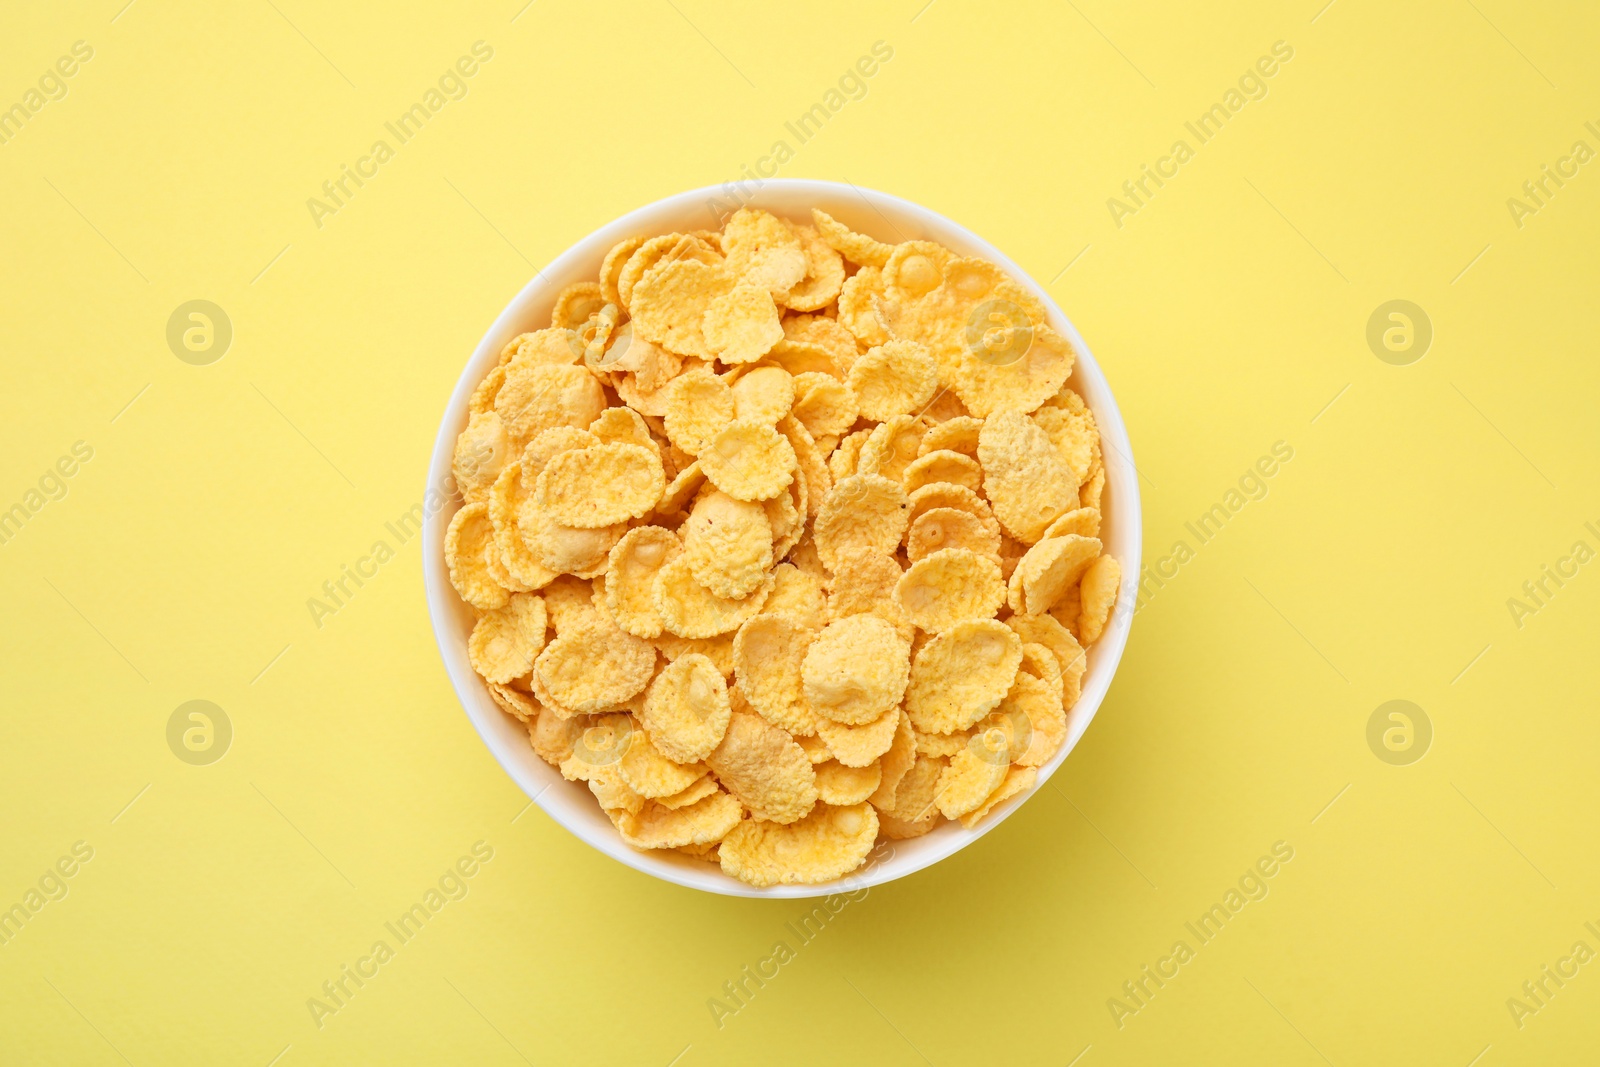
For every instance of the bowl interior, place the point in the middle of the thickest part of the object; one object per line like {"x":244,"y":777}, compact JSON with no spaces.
{"x":889,"y":219}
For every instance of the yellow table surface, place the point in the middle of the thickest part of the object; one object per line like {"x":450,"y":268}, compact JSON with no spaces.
{"x":1229,"y":305}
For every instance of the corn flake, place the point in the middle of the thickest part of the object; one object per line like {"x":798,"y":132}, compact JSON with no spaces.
{"x":1029,"y":486}
{"x":763,"y":251}
{"x":940,"y":528}
{"x":861,"y":511}
{"x":741,"y":325}
{"x":588,"y":488}
{"x":467,"y":542}
{"x":631,"y":570}
{"x":856,"y":247}
{"x":856,"y":670}
{"x":764,"y":769}
{"x":686,"y":709}
{"x":689,"y":609}
{"x":893,"y":378}
{"x":505,"y":641}
{"x":595,"y":667}
{"x":961,"y":675}
{"x":828,"y":843}
{"x":859,"y":746}
{"x":749,"y":460}
{"x":1099,"y":596}
{"x":949,"y":586}
{"x":768,"y":654}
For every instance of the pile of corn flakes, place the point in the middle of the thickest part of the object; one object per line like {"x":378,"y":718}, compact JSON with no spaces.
{"x":784,"y":539}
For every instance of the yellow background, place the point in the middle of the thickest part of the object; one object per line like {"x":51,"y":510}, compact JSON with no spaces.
{"x":1229,"y":313}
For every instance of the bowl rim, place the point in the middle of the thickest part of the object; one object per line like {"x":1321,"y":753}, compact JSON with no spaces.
{"x":856,"y":206}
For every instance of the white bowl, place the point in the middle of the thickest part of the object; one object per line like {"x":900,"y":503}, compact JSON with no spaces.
{"x":889,"y":219}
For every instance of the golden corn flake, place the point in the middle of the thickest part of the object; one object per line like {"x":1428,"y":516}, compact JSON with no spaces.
{"x":847,"y":454}
{"x":514,"y":702}
{"x":961,"y":675}
{"x":950,"y":495}
{"x":569,"y":604}
{"x":1085,"y":522}
{"x":856,"y":247}
{"x":553,"y":737}
{"x":856,"y":670}
{"x":622,"y":426}
{"x":466,"y":544}
{"x":689,"y":609}
{"x":894,"y":763}
{"x":728,"y":543}
{"x":786,"y":517}
{"x":894,"y":378}
{"x":510,"y":553}
{"x":1048,"y":570}
{"x":702,"y":787}
{"x":823,"y":404}
{"x":657,"y":251}
{"x":827,"y":844}
{"x":824,"y":272}
{"x":704,"y":822}
{"x":1067,"y":610}
{"x":554,"y":345}
{"x":611,"y":267}
{"x":670,"y":304}
{"x":550,"y":444}
{"x":943,"y":466}
{"x":987,"y":384}
{"x":576,"y":305}
{"x":840,"y":786}
{"x":651,"y":774}
{"x":1039,"y":662}
{"x":892,"y":447}
{"x":1046,"y":718}
{"x":763,"y":394}
{"x":914,"y":810}
{"x":815,"y":748}
{"x":682,"y":489}
{"x":762,"y":250}
{"x":749,"y":460}
{"x":1099,"y":596}
{"x":1028,"y":485}
{"x":537,"y":397}
{"x":603,"y":485}
{"x":827,"y":334}
{"x":1070,"y":659}
{"x":595,"y":667}
{"x":940,"y":528}
{"x":1017,"y":780}
{"x":797,"y":593}
{"x":950,"y":585}
{"x":483,"y":448}
{"x":859,"y":307}
{"x":768,"y":653}
{"x":565,"y":549}
{"x":505,"y":641}
{"x":958,"y":434}
{"x":699,"y":405}
{"x":812,"y":475}
{"x":598,"y":747}
{"x":631,"y":569}
{"x":1089,"y":493}
{"x":861,"y":511}
{"x":741,"y":325}
{"x":482,"y":399}
{"x":967,"y":782}
{"x":613,"y":793}
{"x":764,"y":769}
{"x":1072,"y":430}
{"x":863,"y":582}
{"x":857,"y":746}
{"x":686,"y":709}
